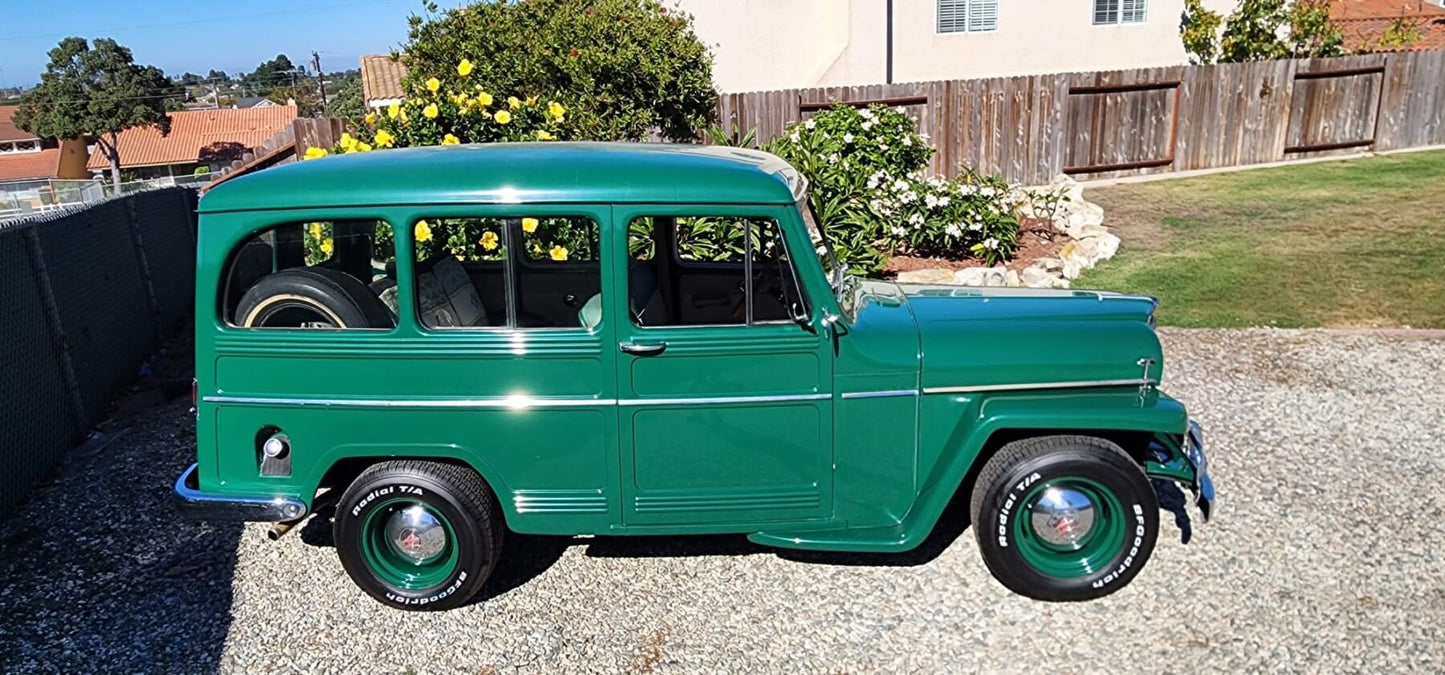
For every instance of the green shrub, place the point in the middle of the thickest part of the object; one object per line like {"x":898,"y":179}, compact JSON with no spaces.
{"x":628,"y":66}
{"x":865,"y":170}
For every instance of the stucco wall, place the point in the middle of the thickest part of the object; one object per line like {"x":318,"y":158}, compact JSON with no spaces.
{"x":779,"y":44}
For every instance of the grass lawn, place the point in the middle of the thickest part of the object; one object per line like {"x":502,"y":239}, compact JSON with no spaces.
{"x":1351,"y":243}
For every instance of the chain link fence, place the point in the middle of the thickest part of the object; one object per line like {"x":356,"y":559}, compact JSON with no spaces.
{"x":89,"y":293}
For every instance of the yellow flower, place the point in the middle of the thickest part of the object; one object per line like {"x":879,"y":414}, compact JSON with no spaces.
{"x":514,"y":102}
{"x":544,"y":136}
{"x":326,"y":247}
{"x":392,"y":110}
{"x":559,"y":253}
{"x":362,"y":146}
{"x":489,"y":240}
{"x":384,"y":139}
{"x":450,"y":140}
{"x":416,"y":102}
{"x":347,"y":143}
{"x":315,"y":230}
{"x":371,"y":118}
{"x":529,"y":224}
{"x":430,"y":111}
{"x":423,"y":231}
{"x":556,"y":110}
{"x":402,"y":118}
{"x":313,"y":152}
{"x":464,"y":68}
{"x":456,"y":99}
{"x":433,"y":84}
{"x":484,"y":98}
{"x":531,"y":100}
{"x":503,"y":117}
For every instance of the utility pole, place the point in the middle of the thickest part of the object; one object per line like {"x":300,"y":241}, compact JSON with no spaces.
{"x":215,"y":97}
{"x":320,"y":81}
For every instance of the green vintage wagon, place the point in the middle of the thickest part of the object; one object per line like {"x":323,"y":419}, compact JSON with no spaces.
{"x":436,"y":347}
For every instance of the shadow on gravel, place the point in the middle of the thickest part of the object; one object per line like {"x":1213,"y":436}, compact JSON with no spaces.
{"x":96,"y":572}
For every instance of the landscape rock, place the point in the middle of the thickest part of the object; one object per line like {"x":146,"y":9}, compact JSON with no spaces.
{"x":1037,"y":277}
{"x":1049,"y":264}
{"x":1012,"y":280}
{"x":937,"y":275}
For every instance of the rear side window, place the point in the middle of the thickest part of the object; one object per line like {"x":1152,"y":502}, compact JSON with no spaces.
{"x":311,"y":275}
{"x":508,"y":272}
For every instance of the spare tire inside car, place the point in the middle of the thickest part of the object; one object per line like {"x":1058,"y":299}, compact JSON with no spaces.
{"x":311,"y":297}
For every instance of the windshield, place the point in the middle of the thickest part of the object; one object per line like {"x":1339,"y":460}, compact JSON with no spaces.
{"x":837,"y":271}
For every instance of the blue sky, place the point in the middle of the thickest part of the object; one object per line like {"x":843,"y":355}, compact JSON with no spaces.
{"x":203,"y":34}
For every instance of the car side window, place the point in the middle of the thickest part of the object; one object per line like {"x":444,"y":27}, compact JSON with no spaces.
{"x":721,"y":271}
{"x":310,"y":275}
{"x":512,"y":272}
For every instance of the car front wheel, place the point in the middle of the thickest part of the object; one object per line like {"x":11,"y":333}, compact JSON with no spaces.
{"x":418,"y":535}
{"x":1064,"y":518}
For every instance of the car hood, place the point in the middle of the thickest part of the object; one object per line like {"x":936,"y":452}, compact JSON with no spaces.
{"x":1029,"y":338}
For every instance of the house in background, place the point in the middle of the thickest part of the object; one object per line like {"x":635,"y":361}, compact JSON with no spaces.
{"x":785,"y":44}
{"x":1368,"y":23}
{"x":27,"y":162}
{"x":198,"y":138}
{"x":381,"y":78}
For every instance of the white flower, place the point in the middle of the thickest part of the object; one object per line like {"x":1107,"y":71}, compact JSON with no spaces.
{"x":847,"y":138}
{"x":915,"y":219}
{"x":900,"y":110}
{"x":907,"y":142}
{"x":990,"y":243}
{"x":967,"y":190}
{"x":898,"y":231}
{"x":810,"y":124}
{"x":943,"y":201}
{"x":882,"y":146}
{"x":930,"y":201}
{"x":866,"y":114}
{"x":953,"y":231}
{"x":987,"y":192}
{"x":974,"y":227}
{"x":868,"y":125}
{"x":901,"y":185}
{"x":907,"y":197}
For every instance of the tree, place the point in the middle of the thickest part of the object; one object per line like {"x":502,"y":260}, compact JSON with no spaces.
{"x":271,"y":75}
{"x":626,"y":67}
{"x":1260,"y":30}
{"x":218,"y":76}
{"x":347,"y":101}
{"x":97,"y":92}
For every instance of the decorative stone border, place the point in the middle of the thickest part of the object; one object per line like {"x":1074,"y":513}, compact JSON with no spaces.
{"x":1078,"y":219}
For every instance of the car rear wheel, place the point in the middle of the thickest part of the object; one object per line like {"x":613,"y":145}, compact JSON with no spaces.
{"x":1064,"y":518}
{"x":418,"y":535}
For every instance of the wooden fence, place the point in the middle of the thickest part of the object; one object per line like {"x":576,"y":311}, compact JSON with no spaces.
{"x":1095,"y":125}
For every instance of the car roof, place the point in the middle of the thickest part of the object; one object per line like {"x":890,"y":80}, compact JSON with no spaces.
{"x":523,"y":173}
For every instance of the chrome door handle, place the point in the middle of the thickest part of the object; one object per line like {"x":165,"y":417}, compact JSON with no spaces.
{"x":642,"y":350}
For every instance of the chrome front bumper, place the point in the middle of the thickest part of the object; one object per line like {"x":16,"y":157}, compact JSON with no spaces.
{"x":193,"y":504}
{"x":1193,"y":447}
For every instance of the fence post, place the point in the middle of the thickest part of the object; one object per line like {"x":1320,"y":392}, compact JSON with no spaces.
{"x":145,"y":270}
{"x":57,"y":330}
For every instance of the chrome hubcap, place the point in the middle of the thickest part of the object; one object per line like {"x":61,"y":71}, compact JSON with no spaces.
{"x":416,"y":534}
{"x":1062,"y":517}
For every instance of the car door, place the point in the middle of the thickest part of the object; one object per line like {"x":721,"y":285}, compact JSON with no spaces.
{"x":725,"y":409}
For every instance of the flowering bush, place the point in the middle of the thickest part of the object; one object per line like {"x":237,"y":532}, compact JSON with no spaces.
{"x":865,"y":170}
{"x":459,"y":110}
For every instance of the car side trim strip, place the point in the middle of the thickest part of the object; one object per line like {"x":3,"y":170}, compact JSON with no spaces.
{"x":513,"y":402}
{"x":1023,"y":386}
{"x":880,"y":394}
{"x":509,"y":402}
{"x":725,"y":399}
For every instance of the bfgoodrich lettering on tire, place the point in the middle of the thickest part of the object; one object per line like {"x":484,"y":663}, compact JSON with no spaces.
{"x":1064,"y":518}
{"x":418,"y":535}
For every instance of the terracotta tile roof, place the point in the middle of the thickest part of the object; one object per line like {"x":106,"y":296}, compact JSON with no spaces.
{"x":8,"y":130}
{"x":381,"y":77}
{"x":193,"y":131}
{"x":24,"y":165}
{"x":1365,"y":22}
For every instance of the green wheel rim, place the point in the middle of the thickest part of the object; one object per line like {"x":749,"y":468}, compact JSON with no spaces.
{"x":1092,"y":552}
{"x":393,"y":567}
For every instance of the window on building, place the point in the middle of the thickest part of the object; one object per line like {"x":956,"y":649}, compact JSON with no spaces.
{"x":1113,"y":12}
{"x":521,"y":272}
{"x":20,"y":146}
{"x":315,"y":275}
{"x":967,"y":16}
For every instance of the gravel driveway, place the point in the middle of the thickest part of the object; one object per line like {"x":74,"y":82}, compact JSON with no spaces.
{"x":1326,"y":449}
